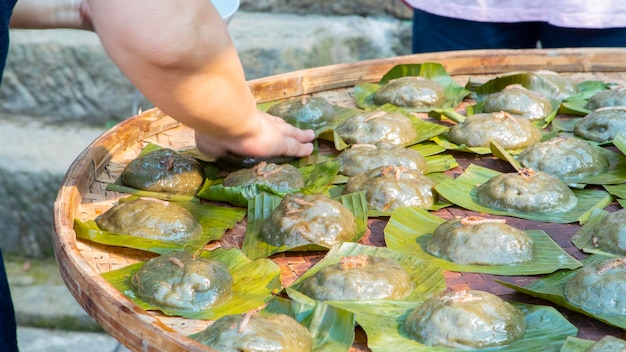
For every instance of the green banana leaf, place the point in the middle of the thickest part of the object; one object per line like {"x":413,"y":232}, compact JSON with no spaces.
{"x":575,"y":344}
{"x":550,"y":288}
{"x":546,"y":329}
{"x":575,"y":104}
{"x":582,"y":239}
{"x":616,"y":173}
{"x":462,"y":192}
{"x":261,"y":207}
{"x":316,"y":177}
{"x":213,"y":219}
{"x":424,"y":129}
{"x":454,"y":92}
{"x":332,"y":328}
{"x":428,"y":279}
{"x":254,"y":282}
{"x":409,"y":229}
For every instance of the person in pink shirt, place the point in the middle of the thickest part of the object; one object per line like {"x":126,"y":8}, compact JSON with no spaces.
{"x":501,"y":24}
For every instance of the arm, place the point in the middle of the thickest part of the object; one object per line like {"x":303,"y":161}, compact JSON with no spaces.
{"x":42,"y":14}
{"x":180,"y":56}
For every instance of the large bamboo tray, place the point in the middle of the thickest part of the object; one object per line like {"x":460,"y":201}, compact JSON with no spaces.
{"x":82,"y":194}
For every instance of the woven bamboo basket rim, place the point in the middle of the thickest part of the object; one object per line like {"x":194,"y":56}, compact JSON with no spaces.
{"x":82,"y":194}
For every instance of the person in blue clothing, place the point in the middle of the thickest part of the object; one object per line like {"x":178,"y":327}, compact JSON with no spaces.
{"x":497,"y":24}
{"x":179,"y":54}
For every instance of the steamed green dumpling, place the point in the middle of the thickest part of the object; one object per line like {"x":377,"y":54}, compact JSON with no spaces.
{"x":565,"y":158}
{"x":526,"y":191}
{"x":509,"y":131}
{"x":602,"y":125}
{"x":182,"y":280}
{"x":388,"y":187}
{"x":520,"y":101}
{"x":465,"y":320}
{"x":151,"y":218}
{"x":305,"y":112}
{"x":365,"y":157}
{"x":272,"y":333}
{"x":164,"y":170}
{"x":359,"y":277}
{"x":599,"y":288}
{"x":412,"y":92}
{"x":606,"y":98}
{"x":377,"y":127}
{"x":610,"y":234}
{"x":305,"y":219}
{"x":480,"y":241}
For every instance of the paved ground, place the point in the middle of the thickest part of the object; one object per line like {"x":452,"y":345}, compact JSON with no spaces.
{"x":49,"y":318}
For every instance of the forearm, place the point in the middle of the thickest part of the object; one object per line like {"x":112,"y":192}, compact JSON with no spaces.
{"x":180,"y":56}
{"x":44,"y":14}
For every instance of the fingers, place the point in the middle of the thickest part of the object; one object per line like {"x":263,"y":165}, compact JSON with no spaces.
{"x":274,"y":137}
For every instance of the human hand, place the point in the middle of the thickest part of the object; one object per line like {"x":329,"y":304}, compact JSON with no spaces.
{"x":273,"y":137}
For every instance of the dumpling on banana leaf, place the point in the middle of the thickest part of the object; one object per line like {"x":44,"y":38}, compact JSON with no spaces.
{"x":259,"y":333}
{"x":377,"y":127}
{"x":606,"y":98}
{"x":151,"y":218}
{"x":526,"y":191}
{"x":465,"y":320}
{"x":565,"y":158}
{"x":365,"y":157}
{"x":304,"y":219}
{"x":183,"y":281}
{"x":164,"y":170}
{"x":281,"y":178}
{"x":389,"y":187}
{"x":305,"y":112}
{"x":411,"y":91}
{"x":517,"y":100}
{"x":610,"y":234}
{"x":599,"y":288}
{"x":509,"y":131}
{"x":481,"y":241}
{"x":359,"y":277}
{"x":602,"y":125}
{"x":565,"y":84}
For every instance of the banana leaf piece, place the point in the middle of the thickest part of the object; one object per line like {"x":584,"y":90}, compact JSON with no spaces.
{"x":424,"y":129}
{"x":575,"y":344}
{"x":215,"y":220}
{"x":616,"y":173}
{"x":550,"y":288}
{"x":454,"y":92}
{"x":409,"y":229}
{"x":332,"y":328}
{"x":428,"y":279}
{"x":462,"y":192}
{"x":575,"y":104}
{"x":316,"y":178}
{"x":582,"y":239}
{"x":261,"y":207}
{"x":254,"y":282}
{"x":546,"y":329}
